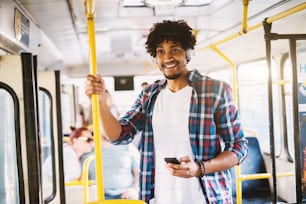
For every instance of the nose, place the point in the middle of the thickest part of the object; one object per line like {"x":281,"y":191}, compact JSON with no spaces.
{"x":168,"y":55}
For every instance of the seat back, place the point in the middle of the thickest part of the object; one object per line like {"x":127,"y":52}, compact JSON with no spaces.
{"x":253,"y":164}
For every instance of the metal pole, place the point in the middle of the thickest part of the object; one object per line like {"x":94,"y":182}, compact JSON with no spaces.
{"x":296,"y":122}
{"x":267,"y":29}
{"x":89,"y":4}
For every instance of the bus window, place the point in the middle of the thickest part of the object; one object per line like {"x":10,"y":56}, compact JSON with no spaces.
{"x":8,"y":157}
{"x":223,"y":74}
{"x":289,"y":106}
{"x":301,"y":66}
{"x":47,"y":144}
{"x":253,"y":102}
{"x":66,"y":112}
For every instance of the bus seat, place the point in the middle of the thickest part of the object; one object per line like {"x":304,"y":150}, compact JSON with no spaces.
{"x":253,"y":164}
{"x":75,"y":194}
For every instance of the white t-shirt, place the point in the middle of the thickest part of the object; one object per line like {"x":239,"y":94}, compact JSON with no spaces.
{"x":72,"y":164}
{"x":72,"y":168}
{"x":171,"y":139}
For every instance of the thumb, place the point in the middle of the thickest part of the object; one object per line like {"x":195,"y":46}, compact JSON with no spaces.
{"x":185,"y":159}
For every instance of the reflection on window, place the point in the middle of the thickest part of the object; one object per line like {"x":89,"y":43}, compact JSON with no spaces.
{"x":8,"y":159}
{"x":301,"y":66}
{"x":224,"y":75}
{"x":289,"y":106}
{"x":253,"y":102}
{"x":66,"y":112}
{"x":46,"y":144}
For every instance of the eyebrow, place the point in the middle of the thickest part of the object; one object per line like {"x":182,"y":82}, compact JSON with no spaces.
{"x":172,"y":46}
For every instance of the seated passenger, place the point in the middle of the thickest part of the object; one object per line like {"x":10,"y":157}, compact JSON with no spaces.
{"x":80,"y":142}
{"x":120,"y":170}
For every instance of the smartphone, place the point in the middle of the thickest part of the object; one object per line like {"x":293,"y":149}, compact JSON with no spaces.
{"x":172,"y":160}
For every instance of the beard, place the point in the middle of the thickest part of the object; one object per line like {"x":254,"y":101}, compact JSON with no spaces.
{"x":173,"y":76}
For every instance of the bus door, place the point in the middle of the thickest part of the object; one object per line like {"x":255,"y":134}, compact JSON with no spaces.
{"x":292,"y":153}
{"x":51,"y":136}
{"x":20,"y":178}
{"x":70,"y":107}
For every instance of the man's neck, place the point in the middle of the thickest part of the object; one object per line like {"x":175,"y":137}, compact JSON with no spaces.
{"x":177,"y":84}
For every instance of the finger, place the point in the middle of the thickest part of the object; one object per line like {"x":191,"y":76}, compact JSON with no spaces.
{"x":185,"y":159}
{"x":98,"y":76}
{"x":91,"y":77}
{"x":181,"y":173}
{"x":173,"y":166}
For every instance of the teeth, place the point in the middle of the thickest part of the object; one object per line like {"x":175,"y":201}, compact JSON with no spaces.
{"x":169,"y":65}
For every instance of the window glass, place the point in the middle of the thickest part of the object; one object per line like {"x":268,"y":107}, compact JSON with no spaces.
{"x":289,"y":106}
{"x":9,"y":189}
{"x":301,"y":66}
{"x":253,"y":102}
{"x":47,"y":143}
{"x":66,"y":112}
{"x":223,"y":74}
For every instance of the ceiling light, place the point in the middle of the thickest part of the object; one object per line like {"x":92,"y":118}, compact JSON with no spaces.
{"x":131,"y":3}
{"x":175,"y":3}
{"x":153,"y":3}
{"x":197,"y":2}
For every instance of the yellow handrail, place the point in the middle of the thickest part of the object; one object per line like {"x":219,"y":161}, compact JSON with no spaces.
{"x":89,"y":4}
{"x":244,"y":24}
{"x":85,"y":182}
{"x":245,"y":177}
{"x":85,"y":178}
{"x":234,"y":71}
{"x":270,"y":20}
{"x":77,"y":183}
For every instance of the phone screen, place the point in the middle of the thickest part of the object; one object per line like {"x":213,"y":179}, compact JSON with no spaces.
{"x":172,"y":160}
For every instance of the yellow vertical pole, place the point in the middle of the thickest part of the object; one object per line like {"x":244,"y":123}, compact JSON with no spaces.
{"x":244,"y":24}
{"x":89,"y":4}
{"x":235,"y":95}
{"x":238,"y":185}
{"x":233,"y":66}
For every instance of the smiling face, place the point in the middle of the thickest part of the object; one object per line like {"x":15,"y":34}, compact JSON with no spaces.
{"x":171,"y":59}
{"x":83,"y":143}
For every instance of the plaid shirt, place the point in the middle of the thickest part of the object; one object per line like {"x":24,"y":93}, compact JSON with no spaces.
{"x":217,"y":123}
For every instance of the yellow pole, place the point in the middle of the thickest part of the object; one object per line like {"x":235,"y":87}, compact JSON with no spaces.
{"x":235,"y":95}
{"x":270,"y":20}
{"x":89,"y":4}
{"x":238,"y":185}
{"x":286,"y":13}
{"x":234,"y":69}
{"x":244,"y":24}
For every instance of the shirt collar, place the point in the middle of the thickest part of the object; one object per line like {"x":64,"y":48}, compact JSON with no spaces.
{"x":194,"y":77}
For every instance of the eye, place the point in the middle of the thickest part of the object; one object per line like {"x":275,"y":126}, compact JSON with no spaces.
{"x":175,"y":50}
{"x":160,"y":52}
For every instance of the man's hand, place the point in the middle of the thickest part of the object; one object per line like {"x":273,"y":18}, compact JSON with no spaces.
{"x":130,"y":193}
{"x":94,"y":85}
{"x":187,"y":169}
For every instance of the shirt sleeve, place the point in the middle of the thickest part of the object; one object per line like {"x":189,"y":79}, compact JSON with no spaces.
{"x":229,"y":125}
{"x":131,"y":122}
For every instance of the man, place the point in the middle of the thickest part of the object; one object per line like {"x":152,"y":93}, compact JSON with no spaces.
{"x":187,"y":116}
{"x":144,"y":84}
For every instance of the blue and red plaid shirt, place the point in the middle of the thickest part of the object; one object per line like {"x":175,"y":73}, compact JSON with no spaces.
{"x":213,"y":121}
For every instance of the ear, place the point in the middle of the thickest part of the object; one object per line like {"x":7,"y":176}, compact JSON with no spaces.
{"x":189,"y":52}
